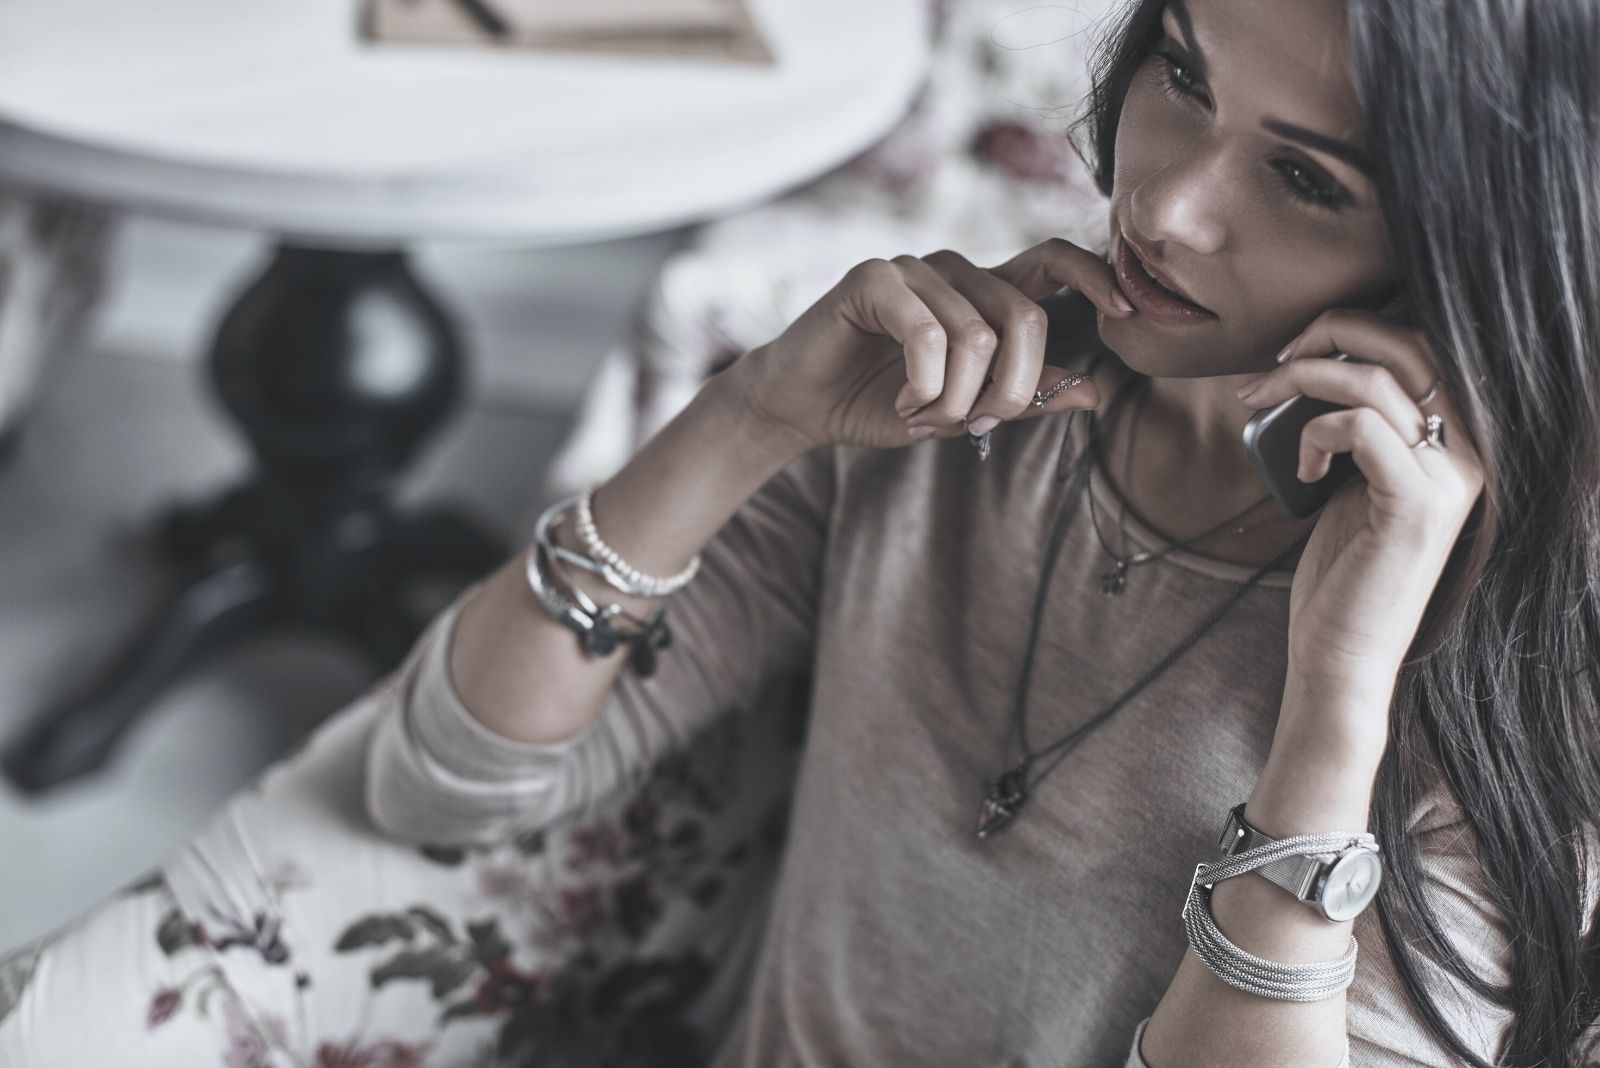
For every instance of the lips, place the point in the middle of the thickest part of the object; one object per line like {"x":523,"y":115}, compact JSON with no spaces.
{"x":1151,"y":292}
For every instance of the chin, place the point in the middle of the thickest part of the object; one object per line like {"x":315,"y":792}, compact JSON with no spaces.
{"x":1158,"y":357}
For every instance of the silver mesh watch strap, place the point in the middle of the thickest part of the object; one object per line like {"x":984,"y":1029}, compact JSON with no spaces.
{"x":1298,"y":875}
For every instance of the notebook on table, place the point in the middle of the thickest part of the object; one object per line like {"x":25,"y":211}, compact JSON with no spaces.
{"x":697,"y":29}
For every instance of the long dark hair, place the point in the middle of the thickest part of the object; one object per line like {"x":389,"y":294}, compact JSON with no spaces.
{"x":1484,"y":124}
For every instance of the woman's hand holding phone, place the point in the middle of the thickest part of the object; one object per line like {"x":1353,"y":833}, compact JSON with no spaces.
{"x":899,"y":351}
{"x":1380,"y":545}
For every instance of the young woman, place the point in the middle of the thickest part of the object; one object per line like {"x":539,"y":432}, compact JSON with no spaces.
{"x":1046,"y":672}
{"x":1414,"y":659}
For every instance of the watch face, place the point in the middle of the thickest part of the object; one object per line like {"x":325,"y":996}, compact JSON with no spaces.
{"x":1351,"y":884}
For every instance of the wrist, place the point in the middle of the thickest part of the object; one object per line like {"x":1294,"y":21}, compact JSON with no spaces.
{"x":1288,"y":799}
{"x":736,"y":391}
{"x":1344,"y":724}
{"x":1324,"y":759}
{"x":1305,"y":791}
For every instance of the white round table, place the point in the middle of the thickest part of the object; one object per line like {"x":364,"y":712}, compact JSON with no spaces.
{"x":336,"y":363}
{"x":279,"y":116}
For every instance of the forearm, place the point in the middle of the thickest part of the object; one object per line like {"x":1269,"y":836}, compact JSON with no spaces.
{"x":1311,"y":783}
{"x":521,"y":673}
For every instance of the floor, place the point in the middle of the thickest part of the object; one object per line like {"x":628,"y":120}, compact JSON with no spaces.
{"x":126,"y":425}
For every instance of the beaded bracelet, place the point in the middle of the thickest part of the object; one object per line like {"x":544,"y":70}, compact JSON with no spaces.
{"x":623,"y":575}
{"x":1244,"y":970}
{"x":555,"y":515}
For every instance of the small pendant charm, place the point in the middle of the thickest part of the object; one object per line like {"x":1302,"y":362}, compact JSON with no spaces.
{"x":1002,"y":801}
{"x":981,"y":443}
{"x":600,"y":639}
{"x":1112,"y":582}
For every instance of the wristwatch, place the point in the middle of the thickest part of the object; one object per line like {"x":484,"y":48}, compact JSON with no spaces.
{"x":1337,"y":885}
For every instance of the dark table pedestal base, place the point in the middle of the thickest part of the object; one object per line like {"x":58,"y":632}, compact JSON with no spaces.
{"x":337,"y":366}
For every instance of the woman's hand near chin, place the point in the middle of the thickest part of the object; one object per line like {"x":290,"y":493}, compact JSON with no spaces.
{"x":900,"y":350}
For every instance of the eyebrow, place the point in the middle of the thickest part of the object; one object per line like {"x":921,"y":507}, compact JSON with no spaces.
{"x":1181,"y":12}
{"x":1340,"y":150}
{"x":1311,"y":139}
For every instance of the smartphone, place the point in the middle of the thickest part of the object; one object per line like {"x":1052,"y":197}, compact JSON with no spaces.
{"x":1272,"y":438}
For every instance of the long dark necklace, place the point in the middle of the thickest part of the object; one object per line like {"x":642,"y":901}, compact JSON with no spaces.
{"x":1006,"y":793}
{"x":1113,"y":582}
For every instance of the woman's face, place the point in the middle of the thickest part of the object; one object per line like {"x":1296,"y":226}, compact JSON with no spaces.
{"x":1239,"y":179}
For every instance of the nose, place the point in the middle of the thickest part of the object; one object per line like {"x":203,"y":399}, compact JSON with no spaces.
{"x":1185,"y":203}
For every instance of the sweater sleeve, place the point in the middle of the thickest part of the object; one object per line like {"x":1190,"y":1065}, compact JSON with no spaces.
{"x":436,"y":775}
{"x":1386,"y":1027}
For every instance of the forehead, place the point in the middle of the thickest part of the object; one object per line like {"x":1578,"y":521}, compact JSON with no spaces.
{"x":1284,"y":58}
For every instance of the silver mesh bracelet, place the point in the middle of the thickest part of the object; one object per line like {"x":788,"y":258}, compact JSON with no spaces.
{"x":618,"y":572}
{"x":1244,"y":970}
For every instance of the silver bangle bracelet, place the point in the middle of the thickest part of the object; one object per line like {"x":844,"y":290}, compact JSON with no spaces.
{"x":634,"y":581}
{"x":551,"y":599}
{"x":574,"y":592}
{"x":616,"y":579}
{"x":1244,"y":970}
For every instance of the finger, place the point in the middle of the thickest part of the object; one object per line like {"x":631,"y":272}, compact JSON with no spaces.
{"x":1015,"y":377}
{"x":884,"y":304}
{"x":1388,"y":462}
{"x":1343,"y":382}
{"x":1403,"y":350}
{"x":1084,"y":394}
{"x":972,"y":345}
{"x":1054,"y":263}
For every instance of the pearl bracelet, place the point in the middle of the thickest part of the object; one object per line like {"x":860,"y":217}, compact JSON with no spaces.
{"x":623,"y":575}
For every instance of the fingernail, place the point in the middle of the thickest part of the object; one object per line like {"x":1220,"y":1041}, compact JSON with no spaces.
{"x":1288,"y":350}
{"x":1248,"y":388}
{"x":983,"y":425}
{"x":1120,"y":301}
{"x":921,"y":433}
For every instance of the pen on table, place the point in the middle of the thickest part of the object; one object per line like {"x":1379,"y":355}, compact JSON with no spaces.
{"x":485,"y":16}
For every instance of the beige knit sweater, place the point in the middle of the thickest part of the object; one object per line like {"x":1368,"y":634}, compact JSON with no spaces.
{"x":903,"y":580}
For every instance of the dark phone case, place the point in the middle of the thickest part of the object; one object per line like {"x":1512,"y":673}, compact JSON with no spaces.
{"x":1272,"y":438}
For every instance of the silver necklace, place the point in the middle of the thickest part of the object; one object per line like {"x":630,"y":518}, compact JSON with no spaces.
{"x":1113,"y":582}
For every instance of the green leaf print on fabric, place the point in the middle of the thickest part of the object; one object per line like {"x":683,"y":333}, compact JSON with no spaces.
{"x":444,"y":969}
{"x":375,"y":930}
{"x":176,"y":932}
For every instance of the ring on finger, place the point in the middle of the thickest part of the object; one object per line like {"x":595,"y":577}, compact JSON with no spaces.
{"x":1434,"y":438}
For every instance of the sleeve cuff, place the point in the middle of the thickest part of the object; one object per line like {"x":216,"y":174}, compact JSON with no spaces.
{"x":435,"y":774}
{"x":453,"y":742}
{"x":1137,"y":1061}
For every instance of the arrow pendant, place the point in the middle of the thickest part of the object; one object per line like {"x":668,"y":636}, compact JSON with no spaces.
{"x":1002,"y":801}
